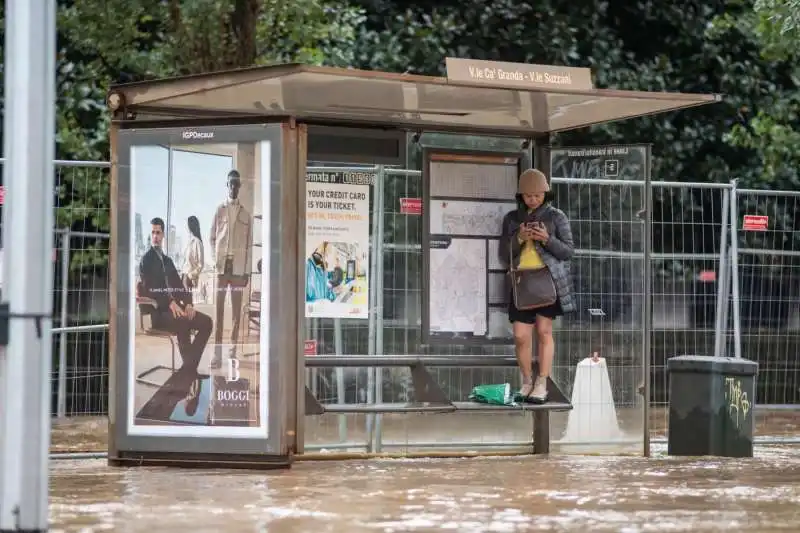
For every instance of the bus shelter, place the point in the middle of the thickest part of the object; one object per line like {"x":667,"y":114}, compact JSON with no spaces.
{"x":244,"y":211}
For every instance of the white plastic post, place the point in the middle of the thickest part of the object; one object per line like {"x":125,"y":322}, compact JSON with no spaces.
{"x":28,"y":173}
{"x":593,"y":418}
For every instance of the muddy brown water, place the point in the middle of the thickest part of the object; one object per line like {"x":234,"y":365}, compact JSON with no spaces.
{"x":557,"y":493}
{"x":498,"y":494}
{"x":90,"y":434}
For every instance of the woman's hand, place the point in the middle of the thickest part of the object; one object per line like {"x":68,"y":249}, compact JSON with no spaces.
{"x":525,"y":233}
{"x":540,"y":233}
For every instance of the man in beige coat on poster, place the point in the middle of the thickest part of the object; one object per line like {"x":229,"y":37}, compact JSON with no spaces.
{"x":231,"y":239}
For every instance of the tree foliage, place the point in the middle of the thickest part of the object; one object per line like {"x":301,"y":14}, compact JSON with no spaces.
{"x":768,"y":126}
{"x":778,"y":24}
{"x":745,"y":50}
{"x":107,"y":41}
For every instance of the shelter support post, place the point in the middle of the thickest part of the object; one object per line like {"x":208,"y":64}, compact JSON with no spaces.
{"x":541,"y":419}
{"x":293,"y":173}
{"x":647,"y":312}
{"x":113,"y":297}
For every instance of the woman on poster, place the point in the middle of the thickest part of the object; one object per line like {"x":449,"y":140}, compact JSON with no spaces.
{"x":194,"y":254}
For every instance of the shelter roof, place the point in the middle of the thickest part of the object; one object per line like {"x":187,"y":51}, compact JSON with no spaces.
{"x":457,"y":103}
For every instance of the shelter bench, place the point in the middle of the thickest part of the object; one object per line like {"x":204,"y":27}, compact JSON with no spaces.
{"x":428,"y":396}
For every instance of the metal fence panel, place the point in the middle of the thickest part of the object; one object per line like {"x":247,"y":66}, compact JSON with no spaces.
{"x":691,"y":265}
{"x":690,"y":223}
{"x":80,"y":300}
{"x":768,"y":267}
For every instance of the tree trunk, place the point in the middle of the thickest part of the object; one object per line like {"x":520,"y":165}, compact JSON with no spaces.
{"x":243,"y":30}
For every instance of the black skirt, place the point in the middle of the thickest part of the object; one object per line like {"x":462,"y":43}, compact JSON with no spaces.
{"x":529,"y":316}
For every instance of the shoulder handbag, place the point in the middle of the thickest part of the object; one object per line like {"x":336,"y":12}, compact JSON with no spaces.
{"x":531,"y":289}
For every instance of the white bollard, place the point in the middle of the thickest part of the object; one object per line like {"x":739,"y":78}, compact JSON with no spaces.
{"x":592,"y":424}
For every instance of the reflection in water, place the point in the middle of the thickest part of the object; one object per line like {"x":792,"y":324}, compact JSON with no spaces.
{"x":463,"y":495}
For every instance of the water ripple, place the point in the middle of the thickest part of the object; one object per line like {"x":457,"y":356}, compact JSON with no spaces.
{"x":481,"y":495}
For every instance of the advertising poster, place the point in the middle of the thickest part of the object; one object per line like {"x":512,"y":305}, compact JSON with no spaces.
{"x":337,"y":244}
{"x":198,"y":364}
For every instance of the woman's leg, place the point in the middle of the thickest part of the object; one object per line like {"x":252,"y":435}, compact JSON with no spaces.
{"x":544,"y":334}
{"x":523,"y":345}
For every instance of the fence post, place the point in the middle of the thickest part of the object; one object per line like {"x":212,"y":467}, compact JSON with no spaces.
{"x":61,"y":403}
{"x":340,"y":391}
{"x":380,"y":176}
{"x":377,"y":192}
{"x":312,"y":332}
{"x":721,"y":323}
{"x":734,"y":251}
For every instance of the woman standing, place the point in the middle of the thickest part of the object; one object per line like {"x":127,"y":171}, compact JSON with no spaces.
{"x":194,"y":254}
{"x":537,"y":236}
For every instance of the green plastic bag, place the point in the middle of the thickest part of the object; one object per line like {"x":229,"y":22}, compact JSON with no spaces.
{"x":492,"y":394}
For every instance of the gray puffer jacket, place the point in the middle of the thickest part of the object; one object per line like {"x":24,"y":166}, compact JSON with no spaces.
{"x":556,"y":254}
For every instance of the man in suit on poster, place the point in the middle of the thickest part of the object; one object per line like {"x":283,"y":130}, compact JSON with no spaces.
{"x":174,"y":309}
{"x":231,"y":240}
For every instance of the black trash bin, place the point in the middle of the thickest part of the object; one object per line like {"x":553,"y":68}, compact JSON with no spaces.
{"x":711,"y":402}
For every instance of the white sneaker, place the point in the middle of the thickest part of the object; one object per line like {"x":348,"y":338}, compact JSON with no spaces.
{"x":539,"y":393}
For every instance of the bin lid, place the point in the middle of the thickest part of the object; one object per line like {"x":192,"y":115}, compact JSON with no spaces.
{"x":712,"y":365}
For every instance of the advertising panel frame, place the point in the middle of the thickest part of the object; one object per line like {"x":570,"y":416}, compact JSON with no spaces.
{"x":275,"y":446}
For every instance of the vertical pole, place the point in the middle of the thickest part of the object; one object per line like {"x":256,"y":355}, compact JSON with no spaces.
{"x":340,"y":392}
{"x":726,"y":294}
{"x":541,"y":419}
{"x":373,"y":304}
{"x":25,"y":395}
{"x":722,"y":274}
{"x":735,"y":302}
{"x":61,"y":409}
{"x":647,"y":300}
{"x":380,"y":184}
{"x":312,"y":377}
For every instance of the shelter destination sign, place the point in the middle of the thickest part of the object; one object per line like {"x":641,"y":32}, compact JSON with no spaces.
{"x":518,"y":75}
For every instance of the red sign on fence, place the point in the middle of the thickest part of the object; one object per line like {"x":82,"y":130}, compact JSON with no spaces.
{"x":411,"y":206}
{"x":2,"y":194}
{"x":755,"y":223}
{"x":310,"y":348}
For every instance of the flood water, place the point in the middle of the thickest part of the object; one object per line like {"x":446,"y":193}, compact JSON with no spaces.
{"x":557,"y":493}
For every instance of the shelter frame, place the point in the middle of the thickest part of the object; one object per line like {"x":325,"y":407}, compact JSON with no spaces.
{"x":300,"y":98}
